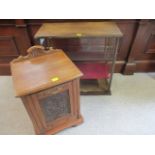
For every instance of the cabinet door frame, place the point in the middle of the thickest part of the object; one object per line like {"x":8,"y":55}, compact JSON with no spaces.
{"x":49,"y":92}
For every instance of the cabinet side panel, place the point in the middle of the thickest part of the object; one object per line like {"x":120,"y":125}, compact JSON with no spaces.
{"x":26,"y":102}
{"x":76,"y":92}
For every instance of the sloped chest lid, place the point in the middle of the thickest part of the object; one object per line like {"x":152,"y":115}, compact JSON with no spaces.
{"x":32,"y":74}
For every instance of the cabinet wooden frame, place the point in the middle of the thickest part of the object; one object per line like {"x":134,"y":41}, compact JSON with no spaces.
{"x":52,"y":105}
{"x":31,"y":103}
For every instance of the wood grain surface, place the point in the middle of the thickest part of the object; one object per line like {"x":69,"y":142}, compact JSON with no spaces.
{"x":78,"y":29}
{"x":35,"y":74}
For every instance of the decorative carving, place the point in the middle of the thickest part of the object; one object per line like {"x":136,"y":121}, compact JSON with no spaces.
{"x":20,"y":58}
{"x":34,"y":51}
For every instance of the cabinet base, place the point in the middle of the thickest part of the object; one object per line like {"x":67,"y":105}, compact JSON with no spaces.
{"x":64,"y":126}
{"x":107,"y":92}
{"x":94,"y":87}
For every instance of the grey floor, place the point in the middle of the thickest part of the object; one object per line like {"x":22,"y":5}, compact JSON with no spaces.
{"x":130,"y":109}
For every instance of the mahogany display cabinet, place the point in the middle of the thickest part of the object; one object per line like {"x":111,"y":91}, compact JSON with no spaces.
{"x":92,"y":46}
{"x":48,"y":83}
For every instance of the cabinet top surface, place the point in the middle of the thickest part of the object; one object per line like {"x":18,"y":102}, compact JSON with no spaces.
{"x":79,"y":29}
{"x":42,"y":72}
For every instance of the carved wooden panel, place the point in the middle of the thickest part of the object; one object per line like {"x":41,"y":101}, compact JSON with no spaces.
{"x":8,"y":46}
